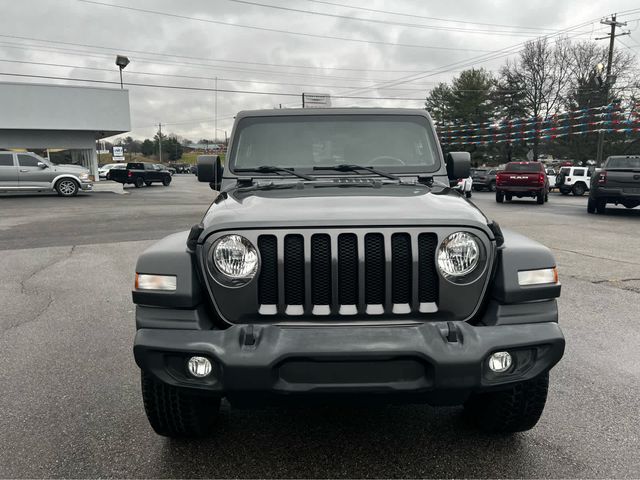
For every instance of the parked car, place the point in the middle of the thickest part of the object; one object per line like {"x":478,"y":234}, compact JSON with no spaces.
{"x":103,"y":171}
{"x":164,"y":168}
{"x":30,"y":172}
{"x":355,"y":274}
{"x":551,"y":176}
{"x":618,"y":182}
{"x":139,"y":174}
{"x":484,"y":179}
{"x":574,"y":180}
{"x":522,"y":179}
{"x":463,"y":185}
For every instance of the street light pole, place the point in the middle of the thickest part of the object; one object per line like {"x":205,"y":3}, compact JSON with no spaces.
{"x":122,"y":62}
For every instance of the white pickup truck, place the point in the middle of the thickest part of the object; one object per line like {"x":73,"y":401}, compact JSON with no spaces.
{"x":574,"y":180}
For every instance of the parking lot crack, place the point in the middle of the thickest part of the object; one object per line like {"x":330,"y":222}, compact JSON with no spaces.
{"x":23,"y":287}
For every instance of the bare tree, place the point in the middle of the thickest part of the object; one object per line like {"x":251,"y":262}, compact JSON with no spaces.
{"x":543,"y":74}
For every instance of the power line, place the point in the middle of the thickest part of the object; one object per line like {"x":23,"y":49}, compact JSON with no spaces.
{"x":481,"y":58}
{"x":412,"y":15}
{"x":287,"y":32}
{"x":386,"y":22}
{"x":224,"y":60}
{"x":190,"y":77}
{"x":198,"y":89}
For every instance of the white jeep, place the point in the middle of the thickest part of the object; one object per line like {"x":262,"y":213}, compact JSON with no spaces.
{"x":574,"y":180}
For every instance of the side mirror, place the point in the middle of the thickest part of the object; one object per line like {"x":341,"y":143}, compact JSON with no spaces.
{"x":42,"y":165}
{"x":210,"y":170}
{"x":458,"y":165}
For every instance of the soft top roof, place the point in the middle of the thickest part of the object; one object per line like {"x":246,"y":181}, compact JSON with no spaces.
{"x":279,"y":112}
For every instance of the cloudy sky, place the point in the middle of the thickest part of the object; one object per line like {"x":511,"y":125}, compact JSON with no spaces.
{"x":265,"y":53}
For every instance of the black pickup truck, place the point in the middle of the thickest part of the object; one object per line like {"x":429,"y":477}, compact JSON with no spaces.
{"x":139,"y":174}
{"x":618,"y":182}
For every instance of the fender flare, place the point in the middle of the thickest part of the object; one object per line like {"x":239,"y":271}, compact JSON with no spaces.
{"x":65,"y":175}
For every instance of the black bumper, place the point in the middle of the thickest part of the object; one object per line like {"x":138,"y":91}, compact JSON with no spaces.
{"x":428,"y":361}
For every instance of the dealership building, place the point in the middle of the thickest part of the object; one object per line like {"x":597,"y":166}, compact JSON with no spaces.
{"x":61,"y":122}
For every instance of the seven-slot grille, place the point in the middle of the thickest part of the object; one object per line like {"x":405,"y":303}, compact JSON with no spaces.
{"x":347,"y":274}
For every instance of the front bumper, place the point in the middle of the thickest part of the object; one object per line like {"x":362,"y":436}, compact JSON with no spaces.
{"x":437,"y":362}
{"x":86,"y":186}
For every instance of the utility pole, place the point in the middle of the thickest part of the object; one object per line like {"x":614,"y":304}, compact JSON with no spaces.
{"x":215,"y":126}
{"x":160,"y":141}
{"x":609,"y":80}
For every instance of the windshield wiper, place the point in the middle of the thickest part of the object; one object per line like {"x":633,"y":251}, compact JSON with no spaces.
{"x":273,"y":169}
{"x":354,"y":168}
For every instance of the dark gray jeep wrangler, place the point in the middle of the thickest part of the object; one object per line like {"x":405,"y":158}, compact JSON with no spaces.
{"x":336,"y":264}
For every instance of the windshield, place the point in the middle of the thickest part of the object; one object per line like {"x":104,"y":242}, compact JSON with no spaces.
{"x":623,"y":162}
{"x":395,"y":143}
{"x":522,"y":167}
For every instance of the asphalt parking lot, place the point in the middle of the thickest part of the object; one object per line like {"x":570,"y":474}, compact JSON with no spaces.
{"x":70,"y":395}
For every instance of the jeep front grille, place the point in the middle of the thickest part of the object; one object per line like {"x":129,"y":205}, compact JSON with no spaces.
{"x":347,"y":274}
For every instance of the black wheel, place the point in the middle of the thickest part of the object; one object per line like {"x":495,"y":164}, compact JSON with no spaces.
{"x":166,"y":181}
{"x":591,"y":205}
{"x":139,"y":182}
{"x":492,"y":186}
{"x":67,"y":187}
{"x":578,"y":189}
{"x":540,"y":198}
{"x":508,"y":197}
{"x":601,"y":206}
{"x":148,"y":184}
{"x":499,"y":197}
{"x":513,"y":410}
{"x":546,"y":197}
{"x":467,"y":194}
{"x":175,"y":412}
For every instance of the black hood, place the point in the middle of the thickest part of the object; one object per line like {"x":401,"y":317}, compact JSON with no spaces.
{"x":328,"y":206}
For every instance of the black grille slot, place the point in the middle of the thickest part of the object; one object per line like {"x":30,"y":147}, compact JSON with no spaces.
{"x":321,"y":269}
{"x":427,"y":275}
{"x":374,"y":275}
{"x":347,"y":269}
{"x":401,"y":268}
{"x":294,"y":270}
{"x":268,"y":279}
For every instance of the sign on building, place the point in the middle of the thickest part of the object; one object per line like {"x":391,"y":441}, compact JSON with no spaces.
{"x":316,"y":100}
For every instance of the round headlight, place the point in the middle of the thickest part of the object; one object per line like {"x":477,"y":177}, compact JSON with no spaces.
{"x":235,"y":258}
{"x":458,"y":254}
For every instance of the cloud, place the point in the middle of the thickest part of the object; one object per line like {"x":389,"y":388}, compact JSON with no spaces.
{"x":165,"y":50}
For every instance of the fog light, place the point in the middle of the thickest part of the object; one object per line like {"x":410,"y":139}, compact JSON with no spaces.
{"x":199,"y":367}
{"x":500,"y":362}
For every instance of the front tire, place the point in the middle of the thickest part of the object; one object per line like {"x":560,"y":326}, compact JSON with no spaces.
{"x":166,"y":181}
{"x":499,"y":197}
{"x":468,"y":194}
{"x":515,"y":409}
{"x":175,"y":412}
{"x":67,"y":187}
{"x":492,"y":186}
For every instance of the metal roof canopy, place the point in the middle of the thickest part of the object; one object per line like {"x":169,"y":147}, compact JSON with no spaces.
{"x":36,"y":107}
